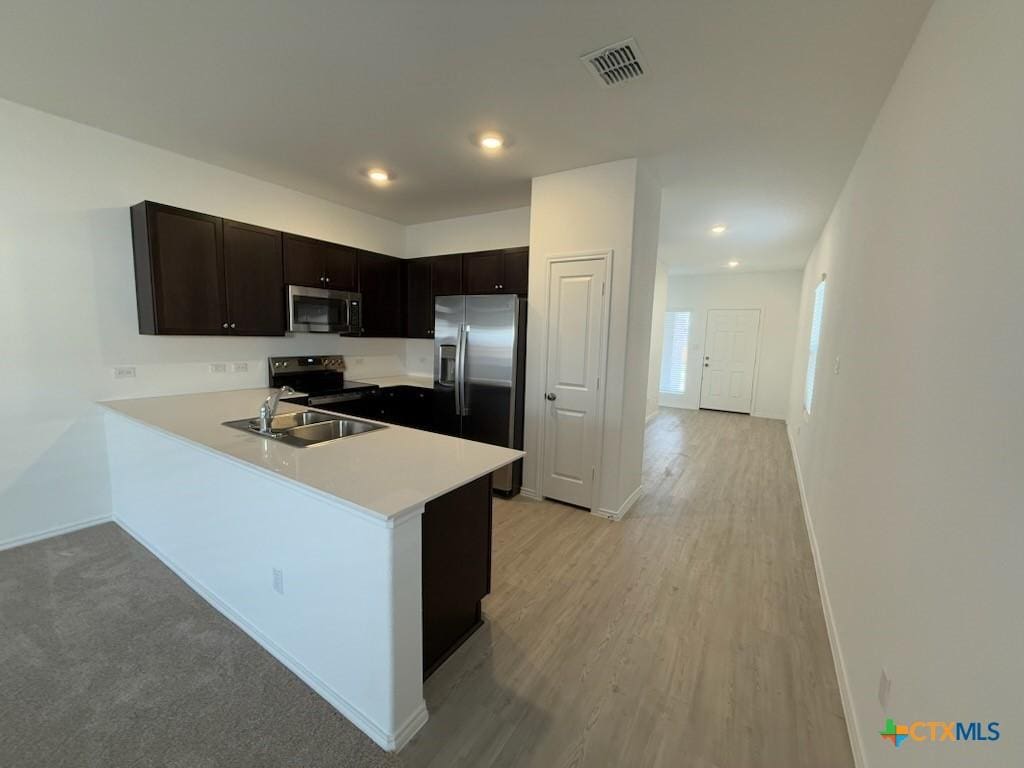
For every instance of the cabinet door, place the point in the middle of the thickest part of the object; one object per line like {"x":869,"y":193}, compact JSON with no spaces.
{"x":304,"y":262}
{"x":342,"y":267}
{"x":446,"y":275}
{"x":183,"y":258}
{"x":515,"y":268}
{"x":481,"y":272}
{"x":380,"y":281}
{"x":254,"y":280}
{"x":419,"y":305}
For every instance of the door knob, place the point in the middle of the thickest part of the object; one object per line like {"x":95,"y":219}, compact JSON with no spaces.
{"x":551,"y":396}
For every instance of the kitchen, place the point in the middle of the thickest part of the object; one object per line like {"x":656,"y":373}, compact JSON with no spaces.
{"x":392,"y":450}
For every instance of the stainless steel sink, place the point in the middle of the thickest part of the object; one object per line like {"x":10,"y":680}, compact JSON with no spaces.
{"x":306,"y":428}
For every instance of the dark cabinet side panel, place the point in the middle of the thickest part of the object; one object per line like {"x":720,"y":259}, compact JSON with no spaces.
{"x":515,"y":271}
{"x":456,"y":568}
{"x":481,"y":272}
{"x":187,"y":270}
{"x":304,"y":261}
{"x":380,"y":281}
{"x":254,"y":278}
{"x":419,"y":307}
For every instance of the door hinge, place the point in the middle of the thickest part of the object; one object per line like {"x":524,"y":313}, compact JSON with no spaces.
{"x":598,"y":382}
{"x":602,"y":289}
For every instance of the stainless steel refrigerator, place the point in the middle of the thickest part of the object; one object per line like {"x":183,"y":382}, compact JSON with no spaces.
{"x":479,"y":361}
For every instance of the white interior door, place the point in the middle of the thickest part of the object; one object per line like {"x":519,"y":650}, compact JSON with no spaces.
{"x":730,"y":352}
{"x":576,"y":321}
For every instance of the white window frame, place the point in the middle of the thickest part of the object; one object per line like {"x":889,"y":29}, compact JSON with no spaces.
{"x":814,"y":344}
{"x":666,"y":347}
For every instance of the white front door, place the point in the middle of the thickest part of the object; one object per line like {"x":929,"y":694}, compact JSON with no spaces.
{"x":730,"y":351}
{"x":572,"y":433}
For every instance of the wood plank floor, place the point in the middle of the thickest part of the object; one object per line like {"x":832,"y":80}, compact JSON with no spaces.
{"x":689,"y":634}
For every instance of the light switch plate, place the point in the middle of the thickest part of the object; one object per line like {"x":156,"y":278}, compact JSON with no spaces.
{"x":279,"y":581}
{"x":835,"y":366}
{"x":240,"y":367}
{"x":124,"y":372}
{"x":218,"y":367}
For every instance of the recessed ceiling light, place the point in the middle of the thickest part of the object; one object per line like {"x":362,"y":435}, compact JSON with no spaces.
{"x":378,"y":175}
{"x":718,"y":229}
{"x":492,"y":141}
{"x":733,"y":264}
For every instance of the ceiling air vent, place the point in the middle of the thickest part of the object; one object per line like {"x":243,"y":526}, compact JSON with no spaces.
{"x":615,"y":64}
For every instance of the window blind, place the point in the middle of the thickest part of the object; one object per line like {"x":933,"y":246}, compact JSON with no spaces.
{"x":675,"y":352}
{"x":812,"y":356}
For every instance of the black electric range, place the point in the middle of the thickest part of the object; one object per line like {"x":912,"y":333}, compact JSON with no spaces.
{"x":322,"y":378}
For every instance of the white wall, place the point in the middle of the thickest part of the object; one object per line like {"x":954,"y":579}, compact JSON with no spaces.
{"x":591,"y":210}
{"x":777,"y":295}
{"x":657,"y":338}
{"x":67,"y":302}
{"x":912,"y":458}
{"x":502,"y":229}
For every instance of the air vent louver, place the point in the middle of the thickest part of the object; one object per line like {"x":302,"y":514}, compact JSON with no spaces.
{"x":615,"y":64}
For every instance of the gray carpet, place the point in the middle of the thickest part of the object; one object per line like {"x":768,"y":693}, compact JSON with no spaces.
{"x":108,"y":659}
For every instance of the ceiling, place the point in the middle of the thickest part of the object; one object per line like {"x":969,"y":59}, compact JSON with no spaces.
{"x":755,"y":111}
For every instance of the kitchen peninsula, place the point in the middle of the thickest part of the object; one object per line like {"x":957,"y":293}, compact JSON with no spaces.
{"x":359,"y":563}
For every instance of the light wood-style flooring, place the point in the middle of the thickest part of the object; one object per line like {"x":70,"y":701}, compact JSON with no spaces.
{"x":689,"y":634}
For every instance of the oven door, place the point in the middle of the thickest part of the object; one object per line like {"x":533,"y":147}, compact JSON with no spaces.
{"x":318,"y":310}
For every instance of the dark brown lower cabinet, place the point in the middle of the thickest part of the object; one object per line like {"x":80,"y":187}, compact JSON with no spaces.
{"x":456,"y":568}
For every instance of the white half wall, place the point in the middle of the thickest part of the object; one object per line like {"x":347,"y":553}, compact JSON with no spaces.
{"x":67,"y":302}
{"x":483,"y":232}
{"x":777,"y":295}
{"x":911,"y":460}
{"x":608,"y":208}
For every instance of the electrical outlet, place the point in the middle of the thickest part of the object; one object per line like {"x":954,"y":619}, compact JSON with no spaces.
{"x":357,"y":361}
{"x":884,"y":689}
{"x":218,"y":367}
{"x":240,"y":367}
{"x":279,"y":581}
{"x":124,"y":372}
{"x":835,"y":366}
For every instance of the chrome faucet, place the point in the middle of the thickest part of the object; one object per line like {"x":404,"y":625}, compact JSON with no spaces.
{"x":269,"y":408}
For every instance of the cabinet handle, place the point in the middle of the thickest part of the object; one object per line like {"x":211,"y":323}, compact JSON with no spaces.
{"x":232,"y":325}
{"x":327,"y":279}
{"x":224,"y":326}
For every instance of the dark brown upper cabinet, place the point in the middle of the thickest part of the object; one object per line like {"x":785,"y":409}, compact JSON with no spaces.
{"x":499,"y":271}
{"x":197,"y":274}
{"x":381,"y":283}
{"x":419,"y":299}
{"x":318,"y":264}
{"x":446,"y":275}
{"x":254,"y":280}
{"x":179,"y":270}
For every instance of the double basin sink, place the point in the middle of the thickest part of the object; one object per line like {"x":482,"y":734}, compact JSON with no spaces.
{"x":306,"y":428}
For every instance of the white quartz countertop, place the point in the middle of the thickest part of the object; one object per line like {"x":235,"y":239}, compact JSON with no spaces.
{"x":427,"y":382}
{"x":385,"y":472}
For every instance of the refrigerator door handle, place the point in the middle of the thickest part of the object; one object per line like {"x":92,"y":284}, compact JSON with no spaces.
{"x":463,"y":399}
{"x":459,"y":360}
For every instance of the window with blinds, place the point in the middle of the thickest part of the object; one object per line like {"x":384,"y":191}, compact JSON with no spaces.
{"x":812,"y":357}
{"x":675,"y":352}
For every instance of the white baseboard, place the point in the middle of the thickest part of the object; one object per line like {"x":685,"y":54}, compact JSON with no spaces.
{"x":49,"y":533}
{"x":619,"y":513}
{"x":392,"y":742}
{"x":529,"y":493}
{"x":852,"y":728}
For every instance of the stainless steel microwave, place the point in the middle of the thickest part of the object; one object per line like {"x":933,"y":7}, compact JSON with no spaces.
{"x":319,"y":310}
